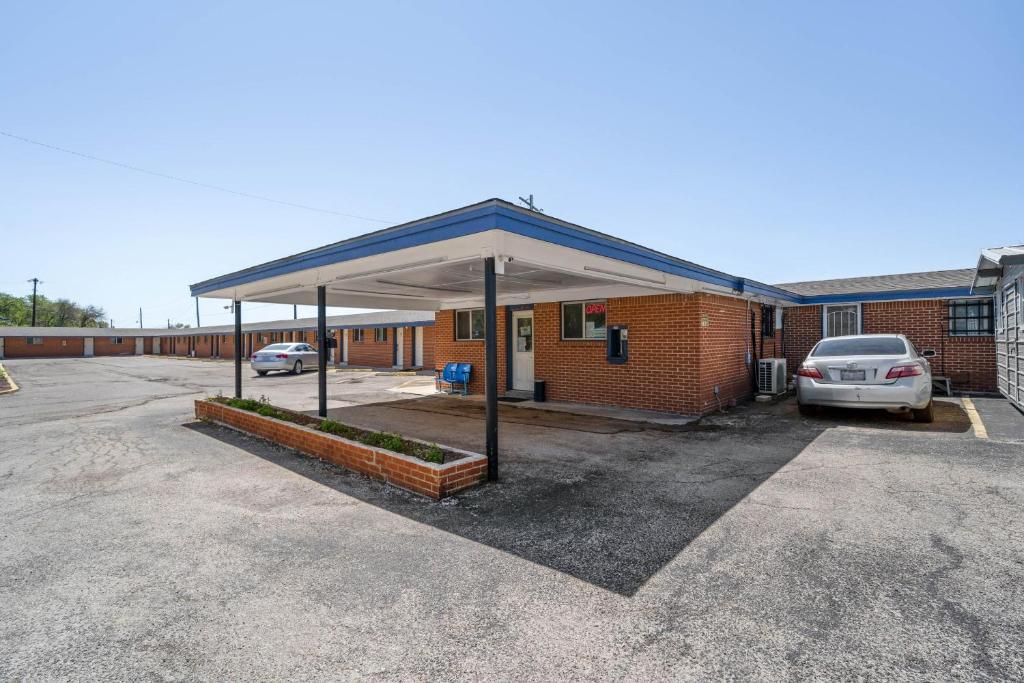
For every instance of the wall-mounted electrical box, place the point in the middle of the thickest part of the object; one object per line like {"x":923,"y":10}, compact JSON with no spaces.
{"x":618,"y":344}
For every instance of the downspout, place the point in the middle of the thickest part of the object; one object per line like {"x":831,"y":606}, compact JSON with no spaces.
{"x":753,"y":350}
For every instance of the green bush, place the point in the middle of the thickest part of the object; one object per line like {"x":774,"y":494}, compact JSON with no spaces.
{"x":338,"y":429}
{"x":392,"y":442}
{"x":433,"y":454}
{"x":270,"y":411}
{"x":244,"y":404}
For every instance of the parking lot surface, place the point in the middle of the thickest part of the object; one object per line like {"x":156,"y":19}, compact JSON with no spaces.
{"x":137,"y":543}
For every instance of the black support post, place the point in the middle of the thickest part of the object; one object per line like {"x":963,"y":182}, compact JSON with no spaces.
{"x":321,"y":347}
{"x":238,"y":349}
{"x":491,"y":370}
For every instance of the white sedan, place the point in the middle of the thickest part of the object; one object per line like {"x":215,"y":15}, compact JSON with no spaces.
{"x":287,"y":357}
{"x":867,"y":371}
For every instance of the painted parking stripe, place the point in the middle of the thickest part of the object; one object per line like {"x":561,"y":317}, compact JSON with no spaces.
{"x":972,"y":413}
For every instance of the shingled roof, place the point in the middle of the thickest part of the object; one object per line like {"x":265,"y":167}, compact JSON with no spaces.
{"x":908,"y":282}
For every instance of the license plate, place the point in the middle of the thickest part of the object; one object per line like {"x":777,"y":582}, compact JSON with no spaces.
{"x":851,"y":375}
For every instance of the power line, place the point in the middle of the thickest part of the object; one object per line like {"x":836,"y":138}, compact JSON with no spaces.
{"x":197,"y":183}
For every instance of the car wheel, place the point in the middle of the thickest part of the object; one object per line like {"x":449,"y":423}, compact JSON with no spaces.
{"x":261,"y":373}
{"x":807,"y":410}
{"x":297,"y":369}
{"x":926,"y":414}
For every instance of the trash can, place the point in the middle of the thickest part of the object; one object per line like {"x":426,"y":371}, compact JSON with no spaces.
{"x":539,"y":392}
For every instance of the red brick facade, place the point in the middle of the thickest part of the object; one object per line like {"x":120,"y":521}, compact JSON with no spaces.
{"x":448,"y":350}
{"x":369,"y":352}
{"x":51,"y":347}
{"x":969,"y":362}
{"x":680,"y":347}
{"x":429,"y":345}
{"x":106,"y":346}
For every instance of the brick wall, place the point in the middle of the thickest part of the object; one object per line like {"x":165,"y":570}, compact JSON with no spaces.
{"x":105,"y":346}
{"x":801,"y":330}
{"x":680,"y":347}
{"x":428,"y":346}
{"x":52,"y":347}
{"x":370,"y":353}
{"x":724,"y":344}
{"x":659,"y":375}
{"x":448,"y":350}
{"x":408,"y":339}
{"x":203,"y":344}
{"x":226,"y":346}
{"x":969,"y":362}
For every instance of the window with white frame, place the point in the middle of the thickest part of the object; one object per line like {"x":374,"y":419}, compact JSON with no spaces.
{"x":840,"y":320}
{"x":380,"y":334}
{"x":970,"y":317}
{"x":469,"y":324}
{"x":584,"y":319}
{"x":35,"y":340}
{"x":357,"y":335}
{"x":118,"y":340}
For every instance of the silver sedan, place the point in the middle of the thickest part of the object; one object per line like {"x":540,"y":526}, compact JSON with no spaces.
{"x":867,"y":371}
{"x":288,"y":357}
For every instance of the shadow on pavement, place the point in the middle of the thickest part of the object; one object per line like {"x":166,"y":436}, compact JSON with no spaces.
{"x":610,"y":506}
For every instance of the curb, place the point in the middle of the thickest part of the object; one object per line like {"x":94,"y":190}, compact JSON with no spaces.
{"x":10,"y":380}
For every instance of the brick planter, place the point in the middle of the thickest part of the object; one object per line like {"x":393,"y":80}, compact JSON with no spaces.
{"x":425,"y":478}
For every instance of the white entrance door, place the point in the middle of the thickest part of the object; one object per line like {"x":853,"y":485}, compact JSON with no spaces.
{"x":344,"y":347}
{"x":417,"y":347}
{"x":522,"y":350}
{"x":140,"y":347}
{"x":88,"y":347}
{"x":399,"y":347}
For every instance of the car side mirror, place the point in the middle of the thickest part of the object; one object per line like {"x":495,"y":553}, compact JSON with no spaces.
{"x":928,"y":353}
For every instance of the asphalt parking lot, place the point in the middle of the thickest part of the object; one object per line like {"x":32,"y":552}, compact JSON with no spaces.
{"x":137,"y":543}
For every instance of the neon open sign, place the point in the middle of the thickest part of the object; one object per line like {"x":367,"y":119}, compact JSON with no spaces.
{"x":596,"y":308}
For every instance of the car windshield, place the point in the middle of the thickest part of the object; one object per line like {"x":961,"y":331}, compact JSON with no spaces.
{"x":276,"y":347}
{"x":864,"y":346}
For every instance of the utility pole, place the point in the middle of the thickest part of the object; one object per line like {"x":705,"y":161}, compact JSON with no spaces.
{"x":528,"y":202}
{"x":295,"y":312}
{"x":35,"y":283}
{"x":168,"y":323}
{"x":197,"y":312}
{"x":140,"y":317}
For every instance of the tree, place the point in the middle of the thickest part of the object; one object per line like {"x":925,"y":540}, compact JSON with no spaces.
{"x":13,"y":311}
{"x":17,"y":312}
{"x":92,"y":316}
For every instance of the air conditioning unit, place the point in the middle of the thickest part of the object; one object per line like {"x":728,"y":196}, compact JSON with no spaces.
{"x":771,"y":375}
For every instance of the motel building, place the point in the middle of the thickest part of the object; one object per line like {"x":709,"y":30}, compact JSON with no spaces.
{"x":389,"y":339}
{"x":526,"y":298}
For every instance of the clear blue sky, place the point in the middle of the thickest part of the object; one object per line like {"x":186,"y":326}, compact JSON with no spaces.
{"x":778,"y":141}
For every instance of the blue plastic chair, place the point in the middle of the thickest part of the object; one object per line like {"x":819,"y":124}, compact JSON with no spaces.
{"x":445,"y":376}
{"x":462,"y":376}
{"x":455,"y":375}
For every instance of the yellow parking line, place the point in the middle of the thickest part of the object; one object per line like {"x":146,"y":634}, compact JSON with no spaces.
{"x":972,"y":412}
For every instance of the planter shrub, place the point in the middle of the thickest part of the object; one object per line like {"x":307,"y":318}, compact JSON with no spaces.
{"x":434,"y":471}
